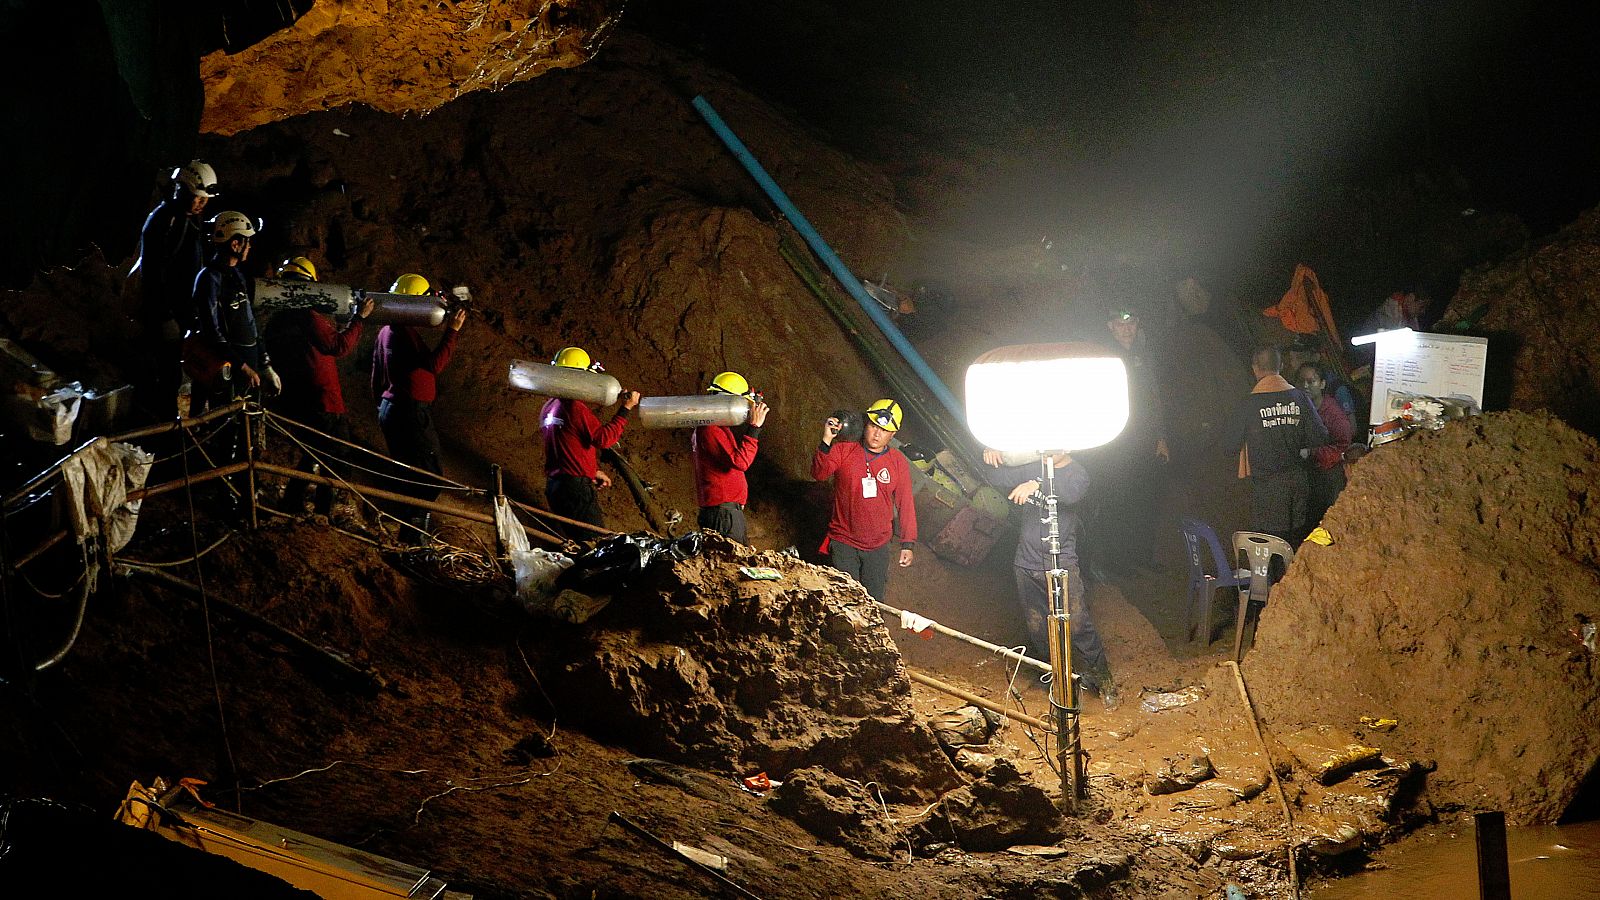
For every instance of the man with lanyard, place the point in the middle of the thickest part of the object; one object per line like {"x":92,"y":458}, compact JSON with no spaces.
{"x":721,"y":459}
{"x":871,"y":483}
{"x":573,"y":439}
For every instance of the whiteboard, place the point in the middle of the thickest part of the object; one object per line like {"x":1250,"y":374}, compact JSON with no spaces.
{"x":1438,"y":365}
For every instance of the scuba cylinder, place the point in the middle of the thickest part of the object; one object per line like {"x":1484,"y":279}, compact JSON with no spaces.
{"x":692,"y":412}
{"x":423,"y":310}
{"x":1020,"y":457}
{"x":567,"y":384}
{"x":279,"y":293}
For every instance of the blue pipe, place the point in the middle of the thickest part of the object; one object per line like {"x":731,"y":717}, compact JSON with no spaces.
{"x":830,"y":259}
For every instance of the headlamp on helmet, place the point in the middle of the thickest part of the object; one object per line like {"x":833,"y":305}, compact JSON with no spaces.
{"x":885,"y":414}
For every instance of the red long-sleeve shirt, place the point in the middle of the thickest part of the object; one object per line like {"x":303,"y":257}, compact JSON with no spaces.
{"x":720,"y":460}
{"x":403,"y":368}
{"x":574,"y":437}
{"x":324,"y":344}
{"x":1340,"y":434}
{"x":866,"y":523}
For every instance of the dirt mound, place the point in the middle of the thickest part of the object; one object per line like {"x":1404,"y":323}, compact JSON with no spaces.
{"x":1464,"y":565}
{"x":697,"y":665}
{"x":1537,"y":307}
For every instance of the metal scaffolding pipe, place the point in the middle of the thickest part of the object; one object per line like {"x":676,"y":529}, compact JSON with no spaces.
{"x":429,"y":505}
{"x":976,"y":700}
{"x":190,"y":481}
{"x":1007,"y":652}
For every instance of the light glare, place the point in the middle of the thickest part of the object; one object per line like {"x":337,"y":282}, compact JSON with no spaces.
{"x":1047,"y":397}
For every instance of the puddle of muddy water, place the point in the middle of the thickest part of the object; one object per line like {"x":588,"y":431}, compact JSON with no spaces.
{"x":1547,"y":863}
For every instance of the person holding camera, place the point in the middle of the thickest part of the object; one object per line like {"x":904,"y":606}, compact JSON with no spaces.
{"x":721,"y":458}
{"x":871,"y":484}
{"x":573,"y":439}
{"x":1031,"y":564}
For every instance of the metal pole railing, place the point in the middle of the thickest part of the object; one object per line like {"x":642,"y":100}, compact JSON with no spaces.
{"x":947,"y":631}
{"x":976,"y":700}
{"x":429,"y":505}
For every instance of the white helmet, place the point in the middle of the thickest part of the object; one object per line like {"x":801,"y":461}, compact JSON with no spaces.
{"x":197,"y":178}
{"x":229,"y":225}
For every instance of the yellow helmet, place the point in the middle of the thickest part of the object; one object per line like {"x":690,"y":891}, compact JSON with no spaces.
{"x":408,"y":283}
{"x":574,"y":358}
{"x":885,"y":414}
{"x":729,"y":383}
{"x":297,"y":268}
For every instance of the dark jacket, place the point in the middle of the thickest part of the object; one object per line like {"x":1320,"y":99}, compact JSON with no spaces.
{"x":1274,"y":423}
{"x":171,"y":254}
{"x":1072,"y":482}
{"x":224,"y":317}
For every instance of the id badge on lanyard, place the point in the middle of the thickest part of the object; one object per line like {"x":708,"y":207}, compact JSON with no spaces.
{"x":869,"y":486}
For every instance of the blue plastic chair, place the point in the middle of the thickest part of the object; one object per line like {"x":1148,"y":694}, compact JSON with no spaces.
{"x":1199,"y":539}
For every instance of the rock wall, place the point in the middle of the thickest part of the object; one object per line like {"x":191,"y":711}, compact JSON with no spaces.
{"x":398,"y":56}
{"x":1465,"y":563}
{"x":1541,"y":311}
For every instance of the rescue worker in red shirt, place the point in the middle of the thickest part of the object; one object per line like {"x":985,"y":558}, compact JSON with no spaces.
{"x":573,"y":439}
{"x":871,"y":483}
{"x":405,"y":382}
{"x":721,"y":458}
{"x":307,"y":345}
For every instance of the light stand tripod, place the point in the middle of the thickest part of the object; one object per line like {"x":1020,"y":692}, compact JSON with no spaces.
{"x":1063,"y":690}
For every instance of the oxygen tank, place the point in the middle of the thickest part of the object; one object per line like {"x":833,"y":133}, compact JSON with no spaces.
{"x":1020,"y":458}
{"x":567,"y":384}
{"x":281,"y":293}
{"x":406,"y":309}
{"x":692,"y":412}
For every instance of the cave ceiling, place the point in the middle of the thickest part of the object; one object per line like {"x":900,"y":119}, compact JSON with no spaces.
{"x":400,"y":57}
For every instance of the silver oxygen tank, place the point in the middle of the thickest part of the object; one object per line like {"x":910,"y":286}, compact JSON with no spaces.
{"x":567,"y":384}
{"x":286,"y":293}
{"x":692,"y":412}
{"x":423,"y":311}
{"x":1020,"y":457}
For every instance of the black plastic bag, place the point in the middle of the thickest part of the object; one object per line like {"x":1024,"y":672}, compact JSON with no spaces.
{"x":618,"y":561}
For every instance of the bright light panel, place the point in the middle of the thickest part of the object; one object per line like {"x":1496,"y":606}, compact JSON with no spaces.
{"x":1398,"y":335}
{"x":1046,"y":397}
